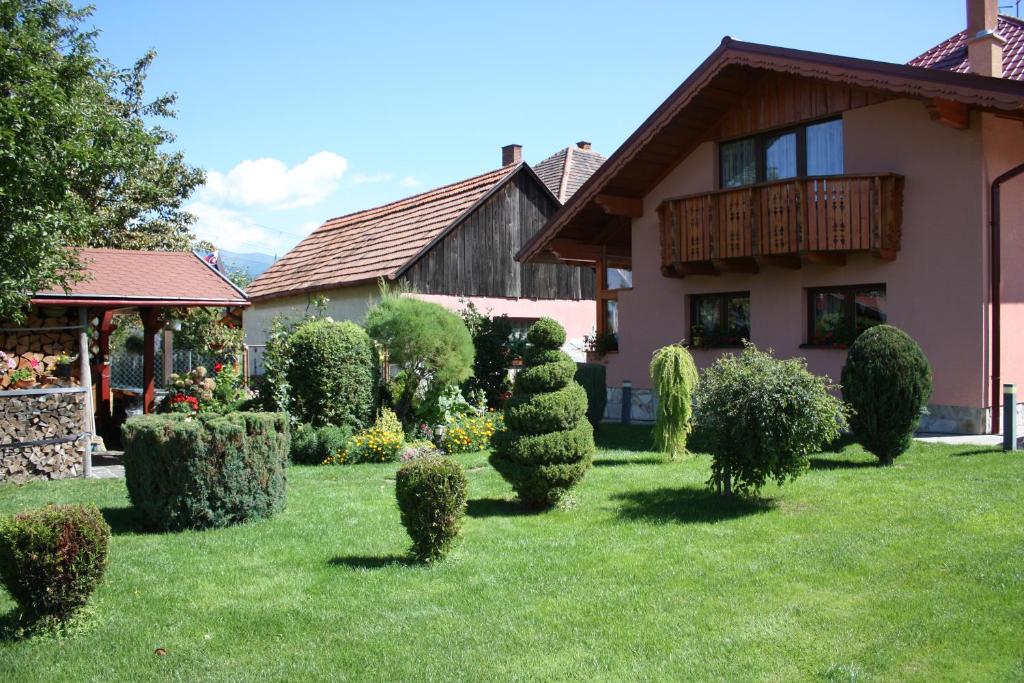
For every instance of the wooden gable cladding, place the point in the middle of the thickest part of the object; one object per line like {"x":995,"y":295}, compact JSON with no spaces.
{"x":477,"y":257}
{"x":780,"y":100}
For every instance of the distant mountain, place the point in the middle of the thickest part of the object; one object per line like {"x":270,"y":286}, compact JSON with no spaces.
{"x":252,"y":263}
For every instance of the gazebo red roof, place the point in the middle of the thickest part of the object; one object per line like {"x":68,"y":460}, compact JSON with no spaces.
{"x":146,"y":278}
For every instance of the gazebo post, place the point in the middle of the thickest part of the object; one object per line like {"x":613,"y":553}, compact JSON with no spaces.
{"x":101,"y":362}
{"x":150,"y":325}
{"x":85,"y":379}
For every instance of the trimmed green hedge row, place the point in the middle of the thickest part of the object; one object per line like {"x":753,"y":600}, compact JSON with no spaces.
{"x":593,"y":377}
{"x":207,"y":472}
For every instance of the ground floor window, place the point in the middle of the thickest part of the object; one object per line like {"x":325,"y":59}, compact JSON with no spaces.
{"x":837,"y":315}
{"x":719,"y":319}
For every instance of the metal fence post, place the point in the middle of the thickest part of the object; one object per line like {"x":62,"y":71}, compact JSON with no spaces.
{"x":1009,"y":417}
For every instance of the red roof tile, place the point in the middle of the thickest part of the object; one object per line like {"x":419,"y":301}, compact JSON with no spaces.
{"x":951,"y":54}
{"x":374,"y":243}
{"x":119,"y":274}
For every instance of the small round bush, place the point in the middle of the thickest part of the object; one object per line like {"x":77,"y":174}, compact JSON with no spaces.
{"x":431,"y":494}
{"x":548,"y":445}
{"x":332,"y":374}
{"x":886,"y":381}
{"x":761,"y":418}
{"x":674,"y":376}
{"x":52,"y":558}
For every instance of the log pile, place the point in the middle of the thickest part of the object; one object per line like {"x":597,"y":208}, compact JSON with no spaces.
{"x":38,"y":348}
{"x":37,"y":417}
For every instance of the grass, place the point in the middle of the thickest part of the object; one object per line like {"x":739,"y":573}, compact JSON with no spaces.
{"x":851,"y":573}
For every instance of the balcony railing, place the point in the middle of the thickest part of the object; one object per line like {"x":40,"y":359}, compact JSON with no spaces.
{"x":821,"y":218}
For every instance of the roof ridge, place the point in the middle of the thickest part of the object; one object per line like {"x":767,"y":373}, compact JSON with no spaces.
{"x":411,"y":197}
{"x":566,"y":165}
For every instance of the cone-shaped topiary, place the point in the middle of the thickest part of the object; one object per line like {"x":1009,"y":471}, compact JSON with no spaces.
{"x":886,"y":380}
{"x":548,"y":444}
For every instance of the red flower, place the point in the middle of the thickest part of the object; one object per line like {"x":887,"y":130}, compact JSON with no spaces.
{"x":217,"y":367}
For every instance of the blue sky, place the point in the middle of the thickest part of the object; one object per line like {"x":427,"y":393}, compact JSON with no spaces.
{"x":305,"y":110}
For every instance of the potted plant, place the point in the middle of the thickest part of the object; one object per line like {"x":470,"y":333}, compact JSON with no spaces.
{"x":62,"y":366}
{"x":697,"y":336}
{"x":22,"y":378}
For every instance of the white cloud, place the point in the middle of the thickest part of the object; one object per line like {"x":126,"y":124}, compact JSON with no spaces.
{"x":409,"y":181}
{"x":234,"y":231}
{"x":269,"y":183}
{"x":363,"y":178}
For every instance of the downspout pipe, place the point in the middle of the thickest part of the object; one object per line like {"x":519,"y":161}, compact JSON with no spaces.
{"x":996,"y":286}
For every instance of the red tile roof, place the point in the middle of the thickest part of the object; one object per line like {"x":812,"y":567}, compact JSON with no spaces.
{"x":374,"y":243}
{"x":951,"y":54}
{"x":566,"y":170}
{"x":147,"y":276}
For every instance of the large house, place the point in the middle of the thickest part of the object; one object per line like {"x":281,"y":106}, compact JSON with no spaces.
{"x":795,"y":198}
{"x":450,"y":245}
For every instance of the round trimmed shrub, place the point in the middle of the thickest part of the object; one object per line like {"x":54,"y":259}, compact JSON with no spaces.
{"x":431,"y":494}
{"x":333,"y":374}
{"x":887,"y":381}
{"x":549,"y":443}
{"x":761,"y":418}
{"x":52,"y":558}
{"x":674,"y":377}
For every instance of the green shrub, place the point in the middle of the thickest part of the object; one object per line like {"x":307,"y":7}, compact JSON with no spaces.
{"x":593,"y":377}
{"x":492,"y":357}
{"x":886,"y":381}
{"x":674,"y":378}
{"x":209,"y":472}
{"x":430,"y":344}
{"x":431,"y":494}
{"x":761,"y":418}
{"x":332,"y":374}
{"x":549,"y":443}
{"x":313,"y":445}
{"x":52,"y":558}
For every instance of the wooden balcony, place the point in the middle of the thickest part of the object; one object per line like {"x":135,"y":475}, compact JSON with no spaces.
{"x":816,"y":219}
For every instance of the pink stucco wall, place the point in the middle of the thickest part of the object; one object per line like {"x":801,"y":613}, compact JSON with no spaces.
{"x":577,"y":317}
{"x":935,"y":288}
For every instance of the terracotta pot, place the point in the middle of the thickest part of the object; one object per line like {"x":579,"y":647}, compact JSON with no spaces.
{"x":24,"y":384}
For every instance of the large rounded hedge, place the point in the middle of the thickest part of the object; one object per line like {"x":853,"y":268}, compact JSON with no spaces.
{"x":887,"y":381}
{"x":333,"y":374}
{"x":548,"y":444}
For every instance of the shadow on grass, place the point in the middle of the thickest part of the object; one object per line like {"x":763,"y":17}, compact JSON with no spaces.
{"x":497,"y":507}
{"x":688,"y":505}
{"x":11,"y":628}
{"x":829,"y":464}
{"x":618,"y":462}
{"x":126,"y":521}
{"x":620,"y":437}
{"x":840,"y":444}
{"x":979,"y":451}
{"x":371,"y":561}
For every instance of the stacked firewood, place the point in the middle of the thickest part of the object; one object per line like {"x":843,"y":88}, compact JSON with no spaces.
{"x":42,"y":417}
{"x":37,"y":349}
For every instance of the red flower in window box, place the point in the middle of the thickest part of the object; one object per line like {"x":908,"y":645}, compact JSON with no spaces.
{"x":217,"y":367}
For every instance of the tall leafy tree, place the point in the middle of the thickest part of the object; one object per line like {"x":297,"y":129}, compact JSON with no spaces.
{"x":80,"y":162}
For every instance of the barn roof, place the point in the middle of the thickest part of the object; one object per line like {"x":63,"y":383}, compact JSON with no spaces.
{"x":951,"y":54}
{"x":567,"y":169}
{"x":146,"y":277}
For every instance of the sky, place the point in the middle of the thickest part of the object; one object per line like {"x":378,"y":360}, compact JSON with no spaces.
{"x":308,"y":109}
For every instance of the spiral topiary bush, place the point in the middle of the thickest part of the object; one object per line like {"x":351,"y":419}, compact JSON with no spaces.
{"x":887,"y":381}
{"x":549,"y":442}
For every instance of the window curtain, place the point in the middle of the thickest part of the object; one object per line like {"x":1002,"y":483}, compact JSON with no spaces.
{"x":825,"y":148}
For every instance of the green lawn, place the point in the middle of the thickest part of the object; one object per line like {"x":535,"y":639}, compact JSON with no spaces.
{"x":853,"y":572}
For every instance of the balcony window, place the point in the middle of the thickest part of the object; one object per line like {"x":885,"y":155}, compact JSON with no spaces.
{"x":808,"y":150}
{"x":837,"y":315}
{"x":618,"y":278}
{"x":719,"y":319}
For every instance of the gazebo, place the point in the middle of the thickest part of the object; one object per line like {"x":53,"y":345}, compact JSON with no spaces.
{"x":157,"y":285}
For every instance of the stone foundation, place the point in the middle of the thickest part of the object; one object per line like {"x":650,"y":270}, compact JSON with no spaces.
{"x":942,"y":419}
{"x":54,"y":417}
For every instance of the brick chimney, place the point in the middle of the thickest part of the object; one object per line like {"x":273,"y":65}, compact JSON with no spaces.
{"x":984,"y":44}
{"x":583,"y":144}
{"x":511,"y":154}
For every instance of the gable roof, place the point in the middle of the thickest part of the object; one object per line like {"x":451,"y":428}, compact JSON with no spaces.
{"x":566,"y":170}
{"x":951,"y":54}
{"x":146,"y":277}
{"x":679,"y":124}
{"x":379,"y":242}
